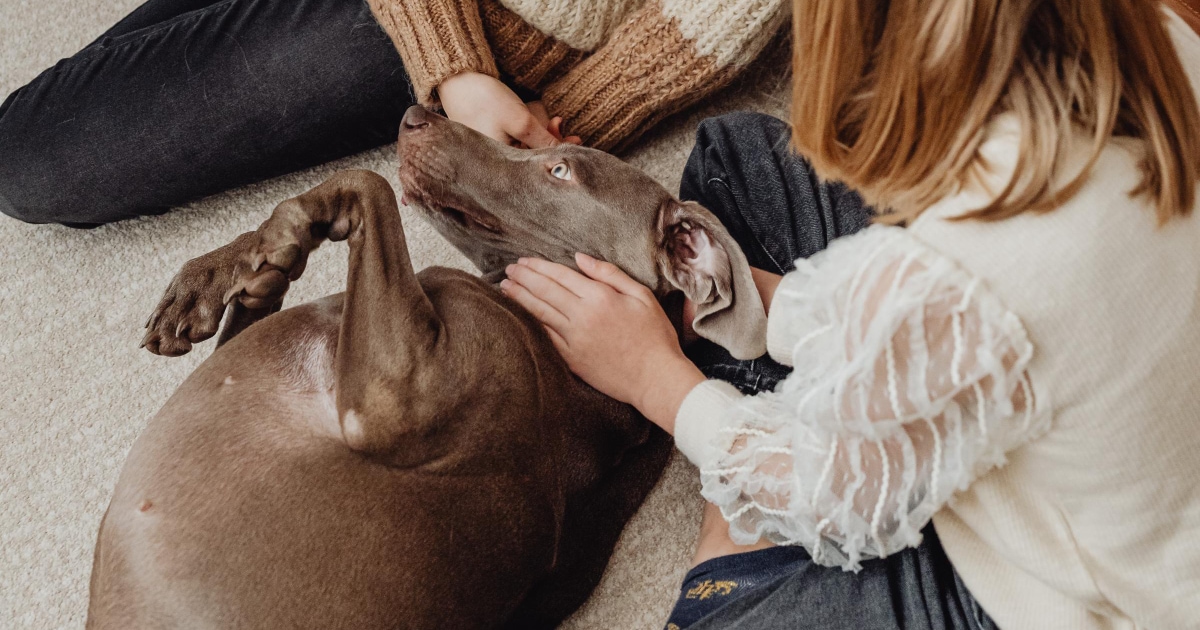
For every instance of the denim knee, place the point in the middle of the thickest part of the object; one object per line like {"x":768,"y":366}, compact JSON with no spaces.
{"x":21,"y":214}
{"x":742,"y":132}
{"x":738,"y":171}
{"x":725,"y":145}
{"x":772,"y":201}
{"x":39,"y":184}
{"x":28,"y":183}
{"x":32,"y":191}
{"x":14,"y":200}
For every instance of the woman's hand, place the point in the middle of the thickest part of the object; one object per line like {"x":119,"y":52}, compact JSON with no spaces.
{"x":553,"y":125}
{"x":611,"y":331}
{"x":486,"y":105}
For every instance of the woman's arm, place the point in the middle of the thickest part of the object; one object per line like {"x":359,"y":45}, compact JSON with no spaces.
{"x":910,"y":380}
{"x":668,"y":55}
{"x":573,"y":306}
{"x":449,"y":63}
{"x":437,"y":39}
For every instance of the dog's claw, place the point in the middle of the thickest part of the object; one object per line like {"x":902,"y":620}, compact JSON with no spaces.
{"x":254,"y":270}
{"x":232,"y":293}
{"x":154,"y":317}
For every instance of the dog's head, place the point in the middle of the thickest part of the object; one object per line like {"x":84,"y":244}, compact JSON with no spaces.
{"x":497,"y":203}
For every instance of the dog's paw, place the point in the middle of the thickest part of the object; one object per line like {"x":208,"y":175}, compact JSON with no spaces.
{"x":191,"y":308}
{"x":255,"y":269}
{"x":276,"y":257}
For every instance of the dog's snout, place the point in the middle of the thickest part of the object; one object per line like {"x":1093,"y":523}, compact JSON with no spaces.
{"x":415,"y":118}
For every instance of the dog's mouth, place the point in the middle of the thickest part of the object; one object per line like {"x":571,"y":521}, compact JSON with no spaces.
{"x":476,"y":220}
{"x":465,"y":216}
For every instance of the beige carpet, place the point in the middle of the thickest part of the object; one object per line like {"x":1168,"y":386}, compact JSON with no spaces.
{"x":75,"y":390}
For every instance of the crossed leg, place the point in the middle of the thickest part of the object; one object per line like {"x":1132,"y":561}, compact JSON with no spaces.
{"x":714,"y":541}
{"x":221,"y":93}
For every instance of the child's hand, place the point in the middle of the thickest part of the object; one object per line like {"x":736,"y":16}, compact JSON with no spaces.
{"x":610,"y":329}
{"x":486,"y":105}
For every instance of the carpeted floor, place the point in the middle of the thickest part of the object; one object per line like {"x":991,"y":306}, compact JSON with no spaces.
{"x":75,"y":390}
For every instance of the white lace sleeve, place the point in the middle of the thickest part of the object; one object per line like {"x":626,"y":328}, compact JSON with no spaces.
{"x":909,"y":382}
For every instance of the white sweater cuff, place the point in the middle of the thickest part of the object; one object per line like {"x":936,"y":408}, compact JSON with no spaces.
{"x":781,"y":336}
{"x":699,"y":417}
{"x":778,"y":341}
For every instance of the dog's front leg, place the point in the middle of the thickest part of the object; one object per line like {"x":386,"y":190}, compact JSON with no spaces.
{"x":191,"y":308}
{"x":389,"y":386}
{"x":388,"y":383}
{"x":387,"y":370}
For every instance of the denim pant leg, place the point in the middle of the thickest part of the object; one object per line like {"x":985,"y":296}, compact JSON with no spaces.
{"x":186,"y":98}
{"x":915,"y":589}
{"x":773,"y":205}
{"x":151,"y":13}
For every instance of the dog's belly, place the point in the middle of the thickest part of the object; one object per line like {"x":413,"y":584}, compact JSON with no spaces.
{"x":241,"y":506}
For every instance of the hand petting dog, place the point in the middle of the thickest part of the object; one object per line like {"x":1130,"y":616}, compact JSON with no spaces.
{"x":610,"y":329}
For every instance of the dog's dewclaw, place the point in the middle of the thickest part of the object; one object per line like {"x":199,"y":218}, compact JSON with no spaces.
{"x":232,"y":293}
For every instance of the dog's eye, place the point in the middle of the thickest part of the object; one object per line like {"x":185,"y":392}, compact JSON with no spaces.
{"x":561,"y":171}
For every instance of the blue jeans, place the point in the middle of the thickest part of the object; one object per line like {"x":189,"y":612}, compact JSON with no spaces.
{"x":778,"y":211}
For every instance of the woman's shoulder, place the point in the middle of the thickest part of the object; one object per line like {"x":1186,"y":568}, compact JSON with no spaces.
{"x":1108,"y":199}
{"x":1105,"y":217}
{"x":1084,"y":271}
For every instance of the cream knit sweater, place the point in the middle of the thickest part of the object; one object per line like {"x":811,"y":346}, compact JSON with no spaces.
{"x":610,"y":68}
{"x":1031,"y":385}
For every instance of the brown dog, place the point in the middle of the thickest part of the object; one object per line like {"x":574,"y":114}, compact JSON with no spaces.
{"x":413,"y":453}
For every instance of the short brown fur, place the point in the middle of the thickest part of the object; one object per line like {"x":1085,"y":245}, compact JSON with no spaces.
{"x":413,"y":453}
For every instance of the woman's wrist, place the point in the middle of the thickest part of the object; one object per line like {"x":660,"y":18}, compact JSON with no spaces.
{"x":485,"y":104}
{"x":456,"y":83}
{"x":766,"y":283}
{"x":661,"y":400}
{"x":664,"y":393}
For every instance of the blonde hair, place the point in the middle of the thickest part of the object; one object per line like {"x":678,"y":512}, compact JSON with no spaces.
{"x":893,"y":96}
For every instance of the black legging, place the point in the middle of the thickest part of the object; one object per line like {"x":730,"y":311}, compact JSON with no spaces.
{"x":186,"y":98}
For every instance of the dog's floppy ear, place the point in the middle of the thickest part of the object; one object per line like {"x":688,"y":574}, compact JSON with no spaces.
{"x":698,"y":256}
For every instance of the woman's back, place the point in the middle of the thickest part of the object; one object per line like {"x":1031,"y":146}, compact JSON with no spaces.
{"x":1103,"y":508}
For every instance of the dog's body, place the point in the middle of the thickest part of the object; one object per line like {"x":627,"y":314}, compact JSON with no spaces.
{"x":413,"y":453}
{"x":241,"y":505}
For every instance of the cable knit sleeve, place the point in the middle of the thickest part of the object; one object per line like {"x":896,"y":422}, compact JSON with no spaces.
{"x":667,"y":55}
{"x":436,"y":39}
{"x":910,"y":381}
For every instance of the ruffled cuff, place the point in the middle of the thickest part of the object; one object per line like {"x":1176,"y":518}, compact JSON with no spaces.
{"x":782,"y":332}
{"x":698,"y":418}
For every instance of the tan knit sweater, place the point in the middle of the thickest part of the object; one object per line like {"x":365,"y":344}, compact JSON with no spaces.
{"x":610,"y":68}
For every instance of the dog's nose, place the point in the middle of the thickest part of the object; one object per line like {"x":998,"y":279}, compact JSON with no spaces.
{"x":415,"y":118}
